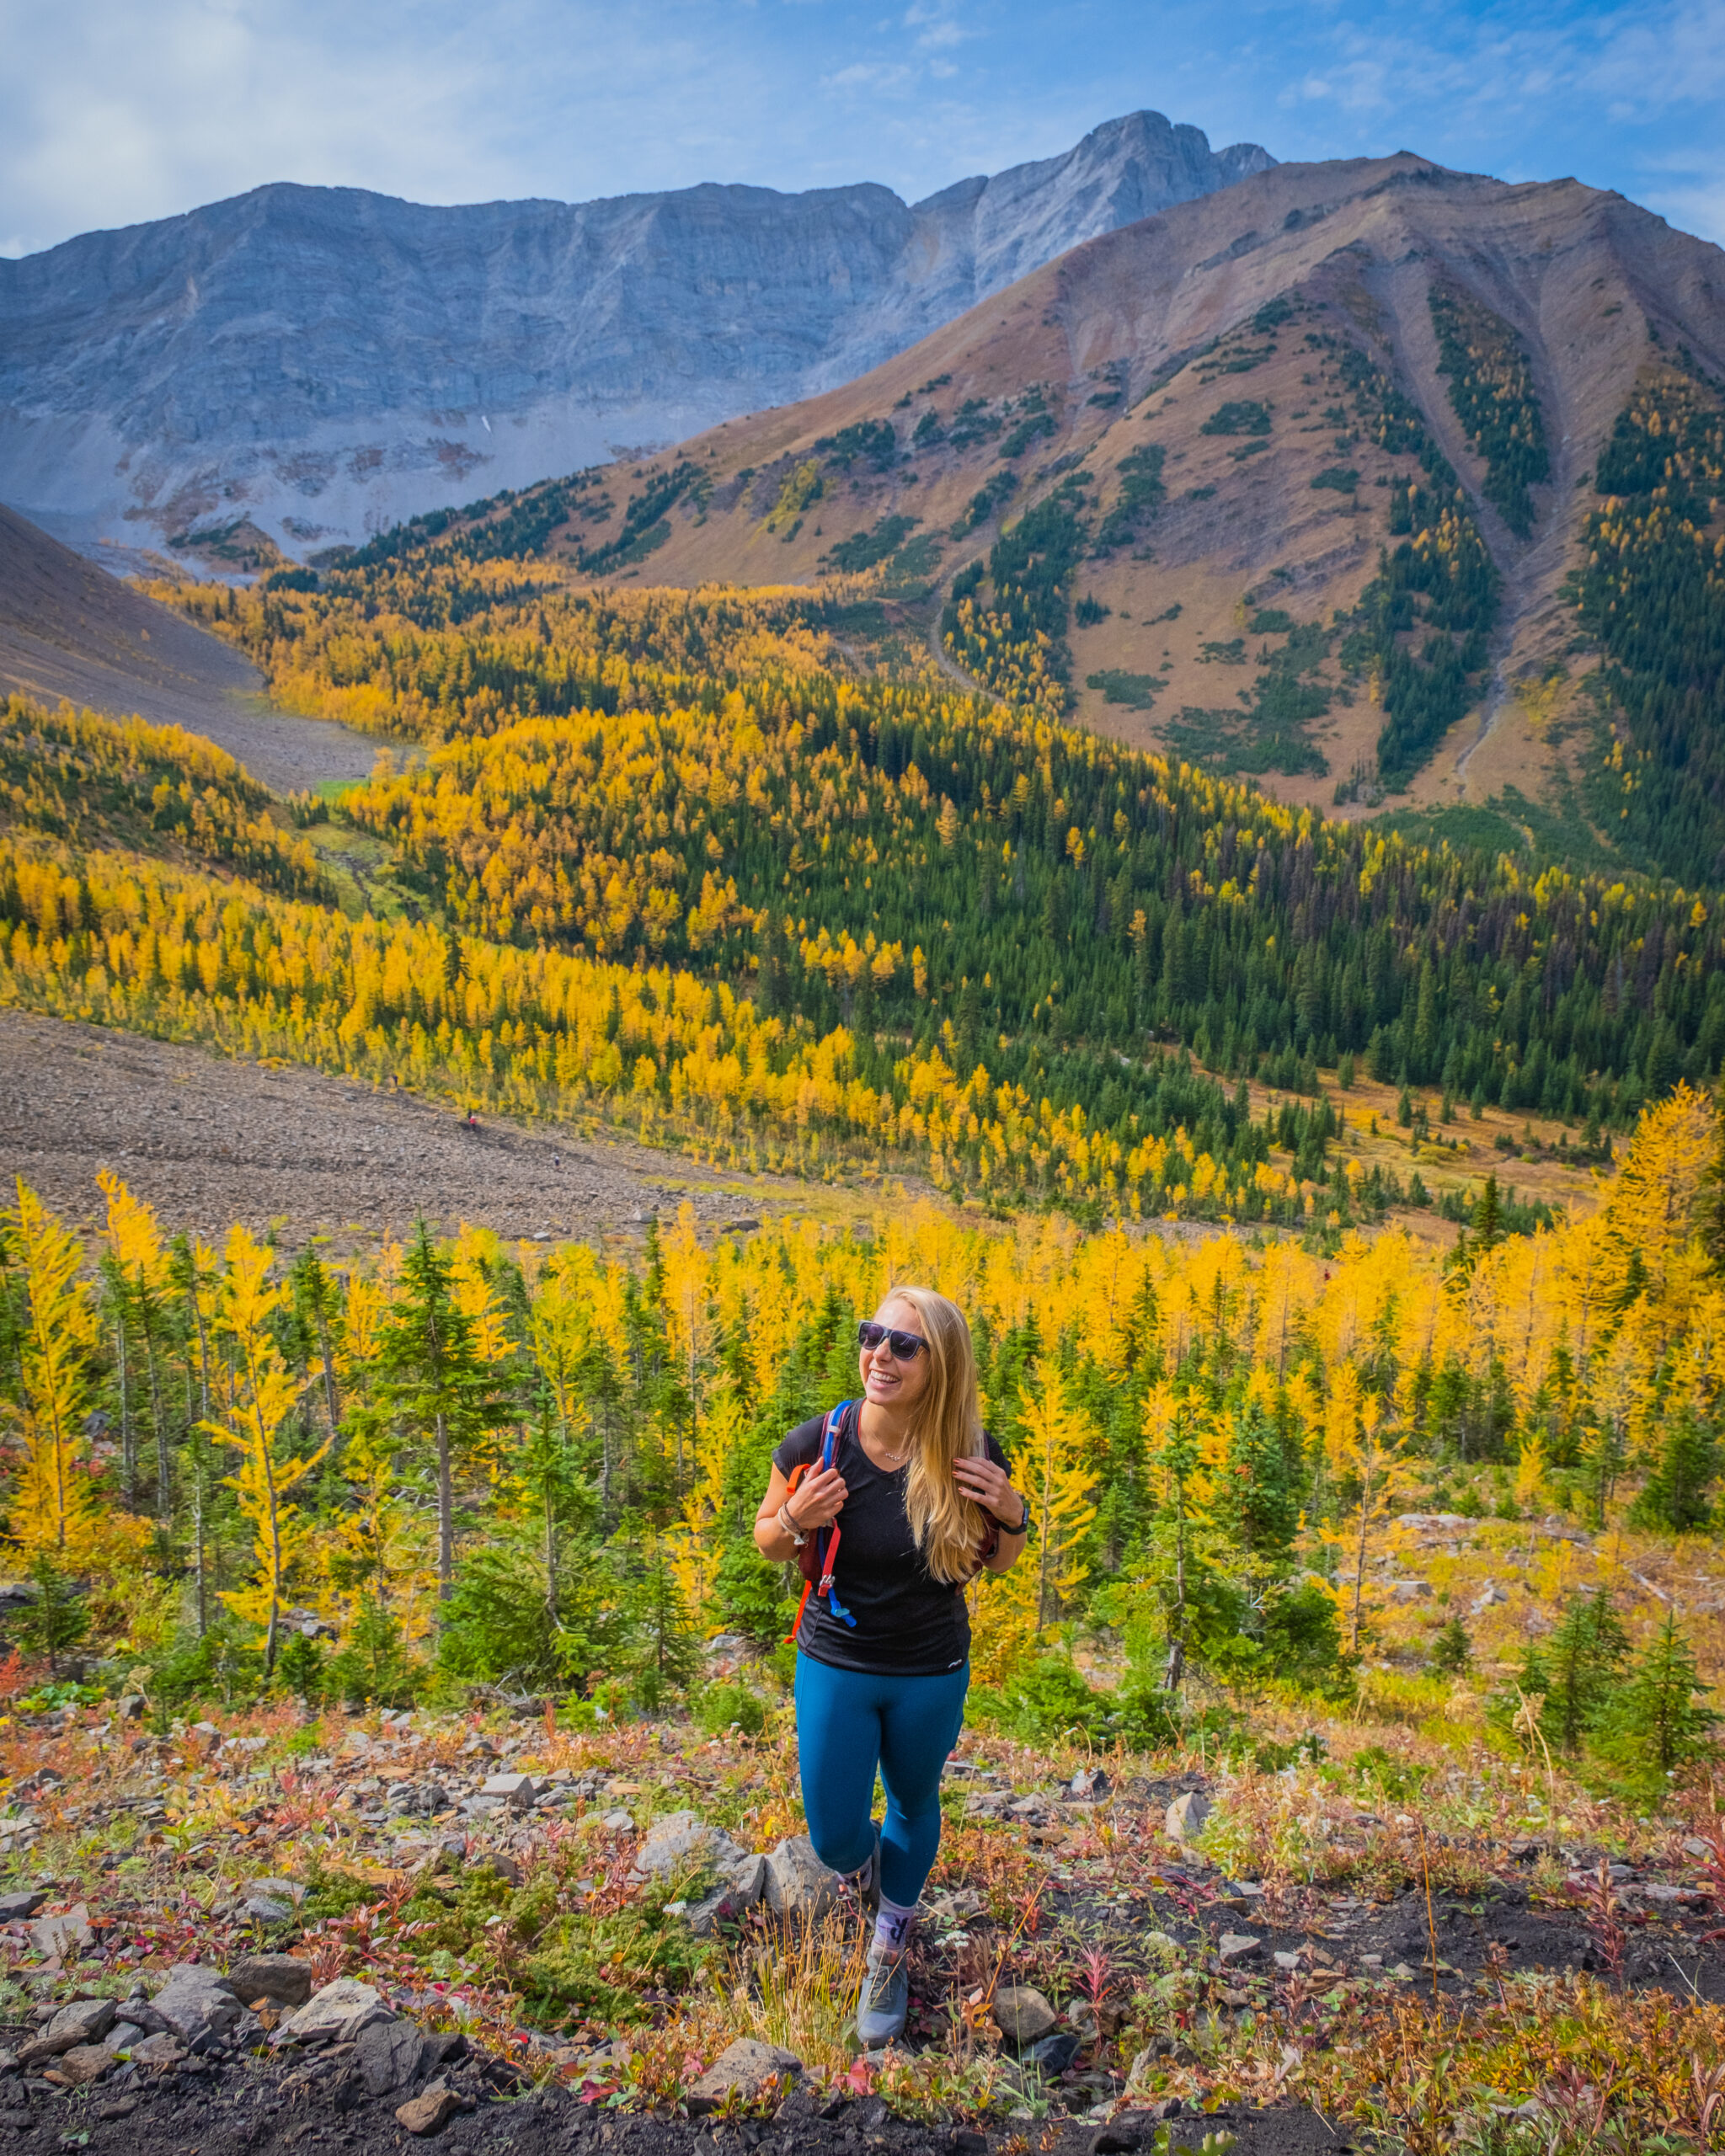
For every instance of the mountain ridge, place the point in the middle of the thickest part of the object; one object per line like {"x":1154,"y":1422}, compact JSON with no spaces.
{"x":1243,"y":431}
{"x":325,"y":361}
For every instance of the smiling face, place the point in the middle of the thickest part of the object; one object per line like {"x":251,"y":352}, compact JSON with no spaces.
{"x":886,"y":1381}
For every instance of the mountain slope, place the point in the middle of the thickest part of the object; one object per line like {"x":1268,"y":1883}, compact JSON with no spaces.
{"x":70,"y":632}
{"x":328,"y":360}
{"x":1311,"y":461}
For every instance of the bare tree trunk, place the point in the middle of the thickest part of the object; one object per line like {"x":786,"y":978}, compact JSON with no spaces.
{"x":164,"y":1481}
{"x":1176,"y":1647}
{"x":128,"y":1444}
{"x":445,"y":1515}
{"x":1359,"y":1558}
{"x":198,"y":1557}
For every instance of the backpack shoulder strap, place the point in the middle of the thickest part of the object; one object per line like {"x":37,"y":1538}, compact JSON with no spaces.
{"x":829,"y":1436}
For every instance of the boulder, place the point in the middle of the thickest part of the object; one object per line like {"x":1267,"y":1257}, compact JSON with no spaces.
{"x":278,"y":1977}
{"x":85,"y":2021}
{"x":518,"y":1791}
{"x":747,"y":1879}
{"x":681,"y":1841}
{"x":265,"y":1908}
{"x":196,"y":2003}
{"x":799,"y":1884}
{"x":387,"y":2056}
{"x":617,"y":1822}
{"x":737,"y":1891}
{"x":1052,"y":2055}
{"x":1238,"y":1945}
{"x":500,"y":1866}
{"x":278,"y":1890}
{"x":85,"y":2064}
{"x":57,"y":1937}
{"x":15,"y":1907}
{"x":161,"y":2051}
{"x":430,"y":2111}
{"x":742,"y":2069}
{"x":1186,"y":1815}
{"x":138,"y":2012}
{"x":1024,"y":2014}
{"x":336,"y":2014}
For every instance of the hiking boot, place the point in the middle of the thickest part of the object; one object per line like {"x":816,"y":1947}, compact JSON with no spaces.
{"x":885,"y":2002}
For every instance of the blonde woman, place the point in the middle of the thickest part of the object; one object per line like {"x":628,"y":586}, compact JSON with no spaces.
{"x":902,"y":1498}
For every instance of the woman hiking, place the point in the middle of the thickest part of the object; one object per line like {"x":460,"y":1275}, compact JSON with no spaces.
{"x":901,"y":1499}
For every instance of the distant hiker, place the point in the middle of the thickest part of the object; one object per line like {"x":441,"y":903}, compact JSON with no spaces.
{"x":884,"y":1637}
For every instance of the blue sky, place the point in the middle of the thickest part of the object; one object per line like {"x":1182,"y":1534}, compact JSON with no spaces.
{"x":111,"y":112}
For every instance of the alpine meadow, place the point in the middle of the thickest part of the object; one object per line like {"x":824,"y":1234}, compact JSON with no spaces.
{"x":1179,"y":808}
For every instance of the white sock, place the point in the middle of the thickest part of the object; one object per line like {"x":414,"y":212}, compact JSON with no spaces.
{"x":892,"y":1930}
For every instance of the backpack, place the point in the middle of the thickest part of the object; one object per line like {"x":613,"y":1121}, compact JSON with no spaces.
{"x":819,"y":1554}
{"x":819,"y":1551}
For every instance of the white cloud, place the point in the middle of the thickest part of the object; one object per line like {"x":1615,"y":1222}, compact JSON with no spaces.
{"x":111,"y":112}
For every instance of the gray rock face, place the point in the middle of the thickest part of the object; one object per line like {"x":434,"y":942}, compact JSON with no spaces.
{"x":1023,"y":2013}
{"x":326,"y":360}
{"x":1186,"y":1815}
{"x":195,"y":2003}
{"x":680,"y":1838}
{"x":85,"y":2021}
{"x":744,"y":2067}
{"x":387,"y":2056}
{"x":336,"y":2014}
{"x":798,"y":1883}
{"x":278,"y":1977}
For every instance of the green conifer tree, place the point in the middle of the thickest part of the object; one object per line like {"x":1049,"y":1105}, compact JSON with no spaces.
{"x":1583,"y":1662}
{"x":1674,"y":1497}
{"x":436,"y":1384}
{"x":1656,"y":1725}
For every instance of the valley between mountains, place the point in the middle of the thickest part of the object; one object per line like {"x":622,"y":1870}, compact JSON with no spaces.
{"x":1215,"y":415}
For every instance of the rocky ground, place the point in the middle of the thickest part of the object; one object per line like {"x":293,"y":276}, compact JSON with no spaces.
{"x":208,"y":1140}
{"x":237,"y":1935}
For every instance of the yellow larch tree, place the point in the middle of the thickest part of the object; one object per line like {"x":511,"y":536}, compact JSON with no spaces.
{"x":53,"y":1511}
{"x":260,"y":1393}
{"x":138,"y":1267}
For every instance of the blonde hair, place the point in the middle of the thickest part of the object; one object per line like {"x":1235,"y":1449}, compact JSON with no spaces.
{"x":948,"y":1528}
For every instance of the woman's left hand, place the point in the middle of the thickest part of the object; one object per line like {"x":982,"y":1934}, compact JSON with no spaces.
{"x":989,"y":1486}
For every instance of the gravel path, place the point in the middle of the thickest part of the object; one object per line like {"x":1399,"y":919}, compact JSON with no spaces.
{"x":208,"y":1141}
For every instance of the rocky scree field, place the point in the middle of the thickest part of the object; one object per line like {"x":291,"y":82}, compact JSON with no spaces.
{"x":268,"y":1930}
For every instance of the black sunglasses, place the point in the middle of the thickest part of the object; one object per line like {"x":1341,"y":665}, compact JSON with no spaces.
{"x":906,"y":1347}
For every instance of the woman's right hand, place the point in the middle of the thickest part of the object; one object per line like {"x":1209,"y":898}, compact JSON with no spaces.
{"x":817,"y":1500}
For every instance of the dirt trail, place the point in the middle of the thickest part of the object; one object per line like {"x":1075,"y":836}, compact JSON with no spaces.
{"x":208,"y":1141}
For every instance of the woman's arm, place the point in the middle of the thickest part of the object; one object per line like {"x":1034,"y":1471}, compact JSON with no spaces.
{"x":989,"y":1486}
{"x":816,"y":1505}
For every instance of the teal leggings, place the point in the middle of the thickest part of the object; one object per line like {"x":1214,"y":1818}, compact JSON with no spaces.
{"x":849,"y":1723}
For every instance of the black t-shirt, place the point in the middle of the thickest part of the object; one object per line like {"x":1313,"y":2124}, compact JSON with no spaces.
{"x":908,"y":1622}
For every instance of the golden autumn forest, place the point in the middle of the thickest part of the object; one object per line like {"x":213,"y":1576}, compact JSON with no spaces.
{"x":1351,"y":1467}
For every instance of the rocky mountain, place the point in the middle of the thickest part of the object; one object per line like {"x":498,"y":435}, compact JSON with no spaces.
{"x":303,"y":365}
{"x":1301,"y":481}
